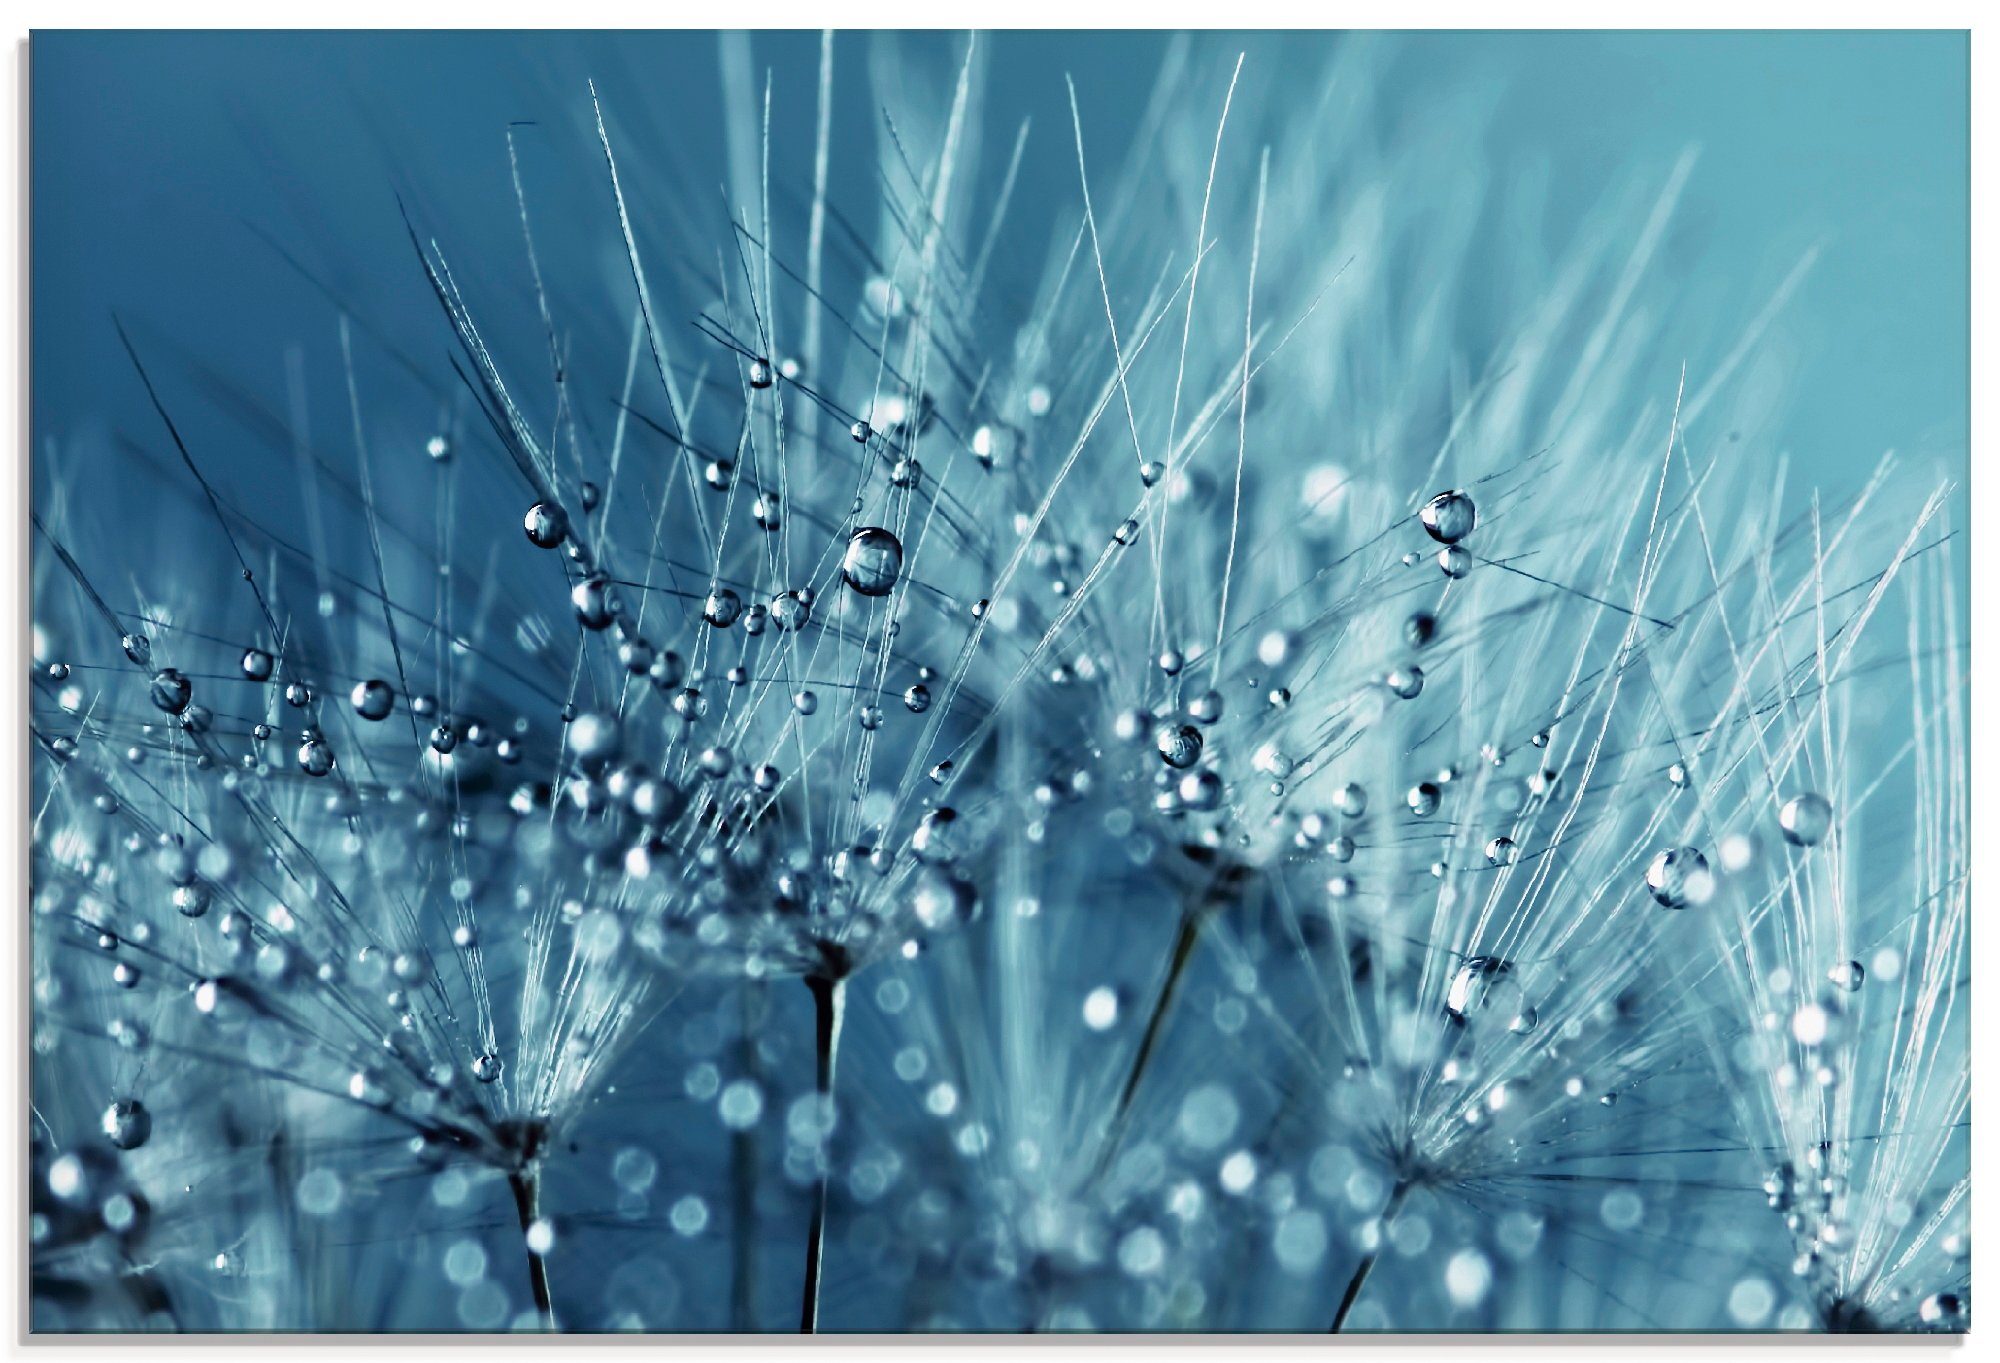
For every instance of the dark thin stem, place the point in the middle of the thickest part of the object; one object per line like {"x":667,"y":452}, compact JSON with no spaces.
{"x":1184,"y":942}
{"x":829,"y":1004}
{"x":527,"y":1185}
{"x":1367,"y":1264}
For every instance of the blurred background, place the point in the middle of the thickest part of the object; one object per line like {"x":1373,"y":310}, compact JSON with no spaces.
{"x":167,"y":167}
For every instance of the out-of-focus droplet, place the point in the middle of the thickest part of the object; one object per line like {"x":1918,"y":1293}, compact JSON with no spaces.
{"x":1201,"y":791}
{"x":127,"y":1123}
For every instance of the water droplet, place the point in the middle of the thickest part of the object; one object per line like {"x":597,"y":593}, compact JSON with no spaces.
{"x":258,"y":665}
{"x":1406,"y":681}
{"x":940,"y":899}
{"x":315,"y":758}
{"x":127,"y":1124}
{"x":1805,"y":819}
{"x":1179,"y":745}
{"x":1351,"y":800}
{"x":171,"y":691}
{"x":596,"y":604}
{"x":722,"y":608}
{"x":1679,"y":876}
{"x":138,"y":648}
{"x":917,"y":698}
{"x":760,"y":373}
{"x":594,"y":739}
{"x":1942,"y":1308}
{"x":1201,"y":790}
{"x":1423,"y":799}
{"x":873,"y":561}
{"x":547,"y":525}
{"x":486,"y":1067}
{"x":373,"y":699}
{"x":1449,"y":517}
{"x":1501,"y":851}
{"x":1453,"y":561}
{"x":766,"y":511}
{"x":1848,"y":975}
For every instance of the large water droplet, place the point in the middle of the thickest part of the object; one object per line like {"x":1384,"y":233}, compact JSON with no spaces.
{"x":1449,"y":517}
{"x":873,"y":561}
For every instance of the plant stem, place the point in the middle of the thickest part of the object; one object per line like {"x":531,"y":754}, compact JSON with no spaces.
{"x":1362,"y":1269}
{"x":1183,"y":951}
{"x":829,"y":1006}
{"x":527,"y":1185}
